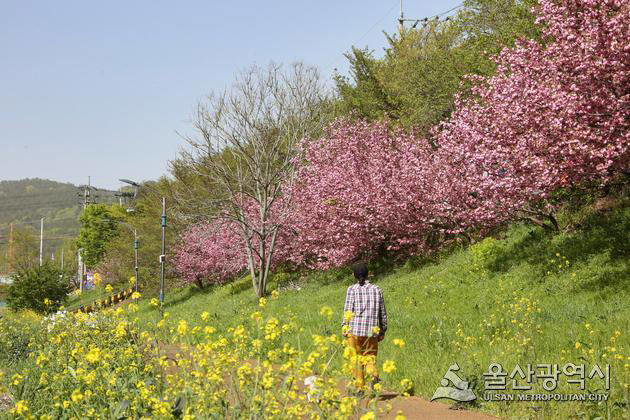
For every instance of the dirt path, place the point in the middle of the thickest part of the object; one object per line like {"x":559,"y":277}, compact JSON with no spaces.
{"x":417,"y":408}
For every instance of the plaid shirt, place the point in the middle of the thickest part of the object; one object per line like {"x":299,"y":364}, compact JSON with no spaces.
{"x":368,"y":306}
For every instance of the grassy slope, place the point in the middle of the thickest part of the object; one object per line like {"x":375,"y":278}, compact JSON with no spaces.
{"x":527,"y":301}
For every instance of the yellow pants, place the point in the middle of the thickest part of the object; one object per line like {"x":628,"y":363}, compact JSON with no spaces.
{"x":366,"y":347}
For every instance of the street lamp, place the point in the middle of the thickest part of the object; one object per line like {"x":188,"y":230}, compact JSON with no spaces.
{"x":163,"y":254}
{"x":128,"y":194}
{"x":135,"y":249}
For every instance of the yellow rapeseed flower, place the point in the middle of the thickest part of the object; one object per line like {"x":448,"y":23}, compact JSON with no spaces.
{"x":262,"y":302}
{"x":21,"y":408}
{"x":326,"y":311}
{"x":109,"y":288}
{"x":389,"y":366}
{"x":182,"y":327}
{"x":205,"y":316}
{"x":399,"y":342}
{"x":93,"y":355}
{"x":577,"y":345}
{"x":76,"y":395}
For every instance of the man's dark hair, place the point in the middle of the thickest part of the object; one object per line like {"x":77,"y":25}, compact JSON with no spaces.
{"x":360,"y":270}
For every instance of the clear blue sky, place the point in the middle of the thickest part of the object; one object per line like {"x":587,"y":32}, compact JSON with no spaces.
{"x":101,"y":88}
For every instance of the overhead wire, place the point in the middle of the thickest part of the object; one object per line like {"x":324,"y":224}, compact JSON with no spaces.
{"x":386,"y":15}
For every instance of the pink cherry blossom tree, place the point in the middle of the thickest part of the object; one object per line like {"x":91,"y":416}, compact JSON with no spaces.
{"x":210,"y":252}
{"x":363,"y":189}
{"x":554,"y":115}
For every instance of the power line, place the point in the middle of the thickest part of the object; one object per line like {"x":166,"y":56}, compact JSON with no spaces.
{"x":38,"y":205}
{"x":386,"y":14}
{"x":37,"y":221}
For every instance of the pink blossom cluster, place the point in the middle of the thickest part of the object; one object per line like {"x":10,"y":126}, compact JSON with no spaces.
{"x":554,"y":115}
{"x":363,"y":189}
{"x":209,"y":251}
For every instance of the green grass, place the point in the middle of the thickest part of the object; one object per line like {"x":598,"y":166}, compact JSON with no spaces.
{"x":535,"y":290}
{"x":85,"y":298}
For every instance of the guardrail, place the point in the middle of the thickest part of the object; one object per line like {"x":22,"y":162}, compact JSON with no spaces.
{"x":103,"y":303}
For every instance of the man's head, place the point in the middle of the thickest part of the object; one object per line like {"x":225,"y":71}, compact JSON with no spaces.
{"x":360,"y":271}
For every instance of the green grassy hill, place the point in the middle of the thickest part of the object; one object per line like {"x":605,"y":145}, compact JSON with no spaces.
{"x":26,"y":201}
{"x":529,"y":297}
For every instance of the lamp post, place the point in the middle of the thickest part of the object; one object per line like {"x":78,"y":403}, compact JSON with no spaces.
{"x":135,"y":232}
{"x":163,"y":257}
{"x":163,"y":254}
{"x":135,"y":251}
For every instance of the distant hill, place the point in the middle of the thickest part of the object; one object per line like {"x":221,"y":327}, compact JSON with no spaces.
{"x":26,"y":201}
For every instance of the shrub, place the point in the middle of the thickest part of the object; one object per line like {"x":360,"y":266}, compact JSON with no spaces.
{"x":485,"y":253}
{"x":16,"y":333}
{"x":43,"y":289}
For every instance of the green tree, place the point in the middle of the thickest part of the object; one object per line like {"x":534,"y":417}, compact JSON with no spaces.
{"x":43,"y":289}
{"x":99,"y":225}
{"x":416,"y":82}
{"x":25,"y":252}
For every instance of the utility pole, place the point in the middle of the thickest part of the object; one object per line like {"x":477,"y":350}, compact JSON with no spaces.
{"x":86,"y":194}
{"x":401,"y":19}
{"x":41,"y":243}
{"x":162,"y":257}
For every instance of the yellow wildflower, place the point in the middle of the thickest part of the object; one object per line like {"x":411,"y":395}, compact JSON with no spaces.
{"x":76,"y":395}
{"x":326,"y":311}
{"x":93,"y":355}
{"x":399,"y":342}
{"x":348,"y":315}
{"x":21,"y":408}
{"x":389,"y":366}
{"x":182,"y":327}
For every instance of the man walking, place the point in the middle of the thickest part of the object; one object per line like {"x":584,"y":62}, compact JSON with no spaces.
{"x":364,"y":323}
